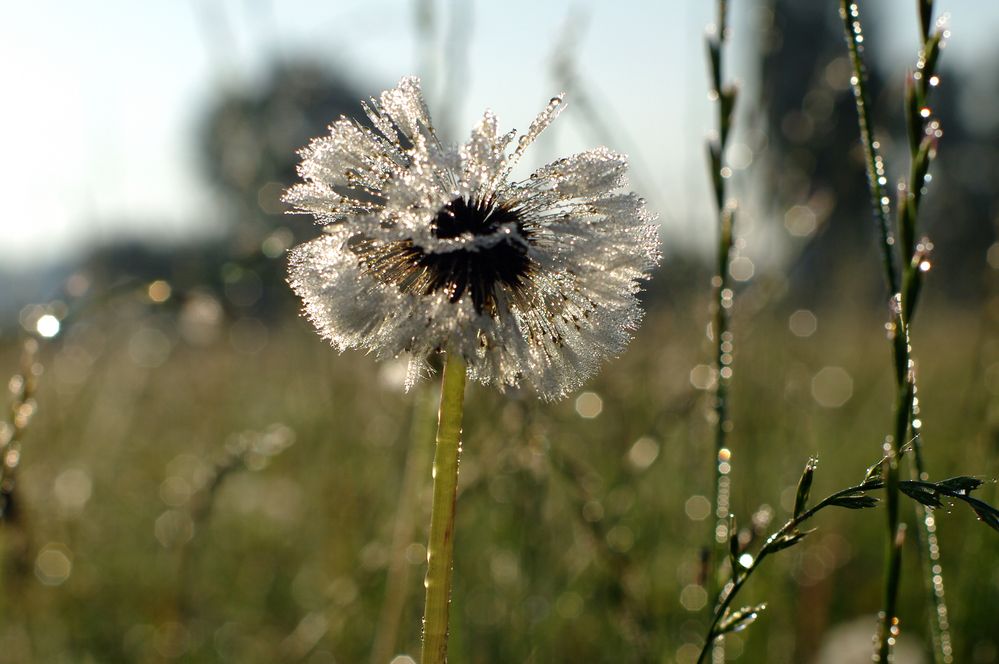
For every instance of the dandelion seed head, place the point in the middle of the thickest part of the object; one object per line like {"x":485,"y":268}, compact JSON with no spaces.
{"x":429,"y":247}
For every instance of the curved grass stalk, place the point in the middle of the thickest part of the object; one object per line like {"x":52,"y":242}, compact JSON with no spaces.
{"x":928,"y":494}
{"x":396,"y":583}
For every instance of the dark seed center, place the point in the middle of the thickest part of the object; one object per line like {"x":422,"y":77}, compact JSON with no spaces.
{"x":479,"y":270}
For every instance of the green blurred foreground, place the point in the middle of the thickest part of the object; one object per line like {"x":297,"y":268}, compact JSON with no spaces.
{"x":579,"y":523}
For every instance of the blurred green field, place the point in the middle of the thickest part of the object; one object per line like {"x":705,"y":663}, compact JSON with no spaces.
{"x":576,"y":536}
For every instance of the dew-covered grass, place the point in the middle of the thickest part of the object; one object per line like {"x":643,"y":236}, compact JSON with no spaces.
{"x":579,"y":524}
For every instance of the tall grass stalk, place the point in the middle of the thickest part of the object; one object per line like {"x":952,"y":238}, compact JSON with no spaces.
{"x":905,"y":263}
{"x":16,"y":546}
{"x":397,"y":581}
{"x":725,"y":96}
{"x":22,"y":407}
{"x":923,"y":132}
{"x":440,"y":549}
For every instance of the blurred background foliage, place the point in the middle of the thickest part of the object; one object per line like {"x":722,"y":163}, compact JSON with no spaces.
{"x":202,"y":479}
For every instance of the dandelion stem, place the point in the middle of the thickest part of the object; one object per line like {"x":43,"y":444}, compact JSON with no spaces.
{"x":440,"y":550}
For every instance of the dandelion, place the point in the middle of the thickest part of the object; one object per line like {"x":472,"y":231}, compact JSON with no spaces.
{"x":429,"y":247}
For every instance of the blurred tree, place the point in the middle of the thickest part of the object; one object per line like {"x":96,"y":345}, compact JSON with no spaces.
{"x":250,"y":139}
{"x":248,"y":143}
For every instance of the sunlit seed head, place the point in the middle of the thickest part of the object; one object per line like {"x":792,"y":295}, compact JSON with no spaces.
{"x":428,"y":247}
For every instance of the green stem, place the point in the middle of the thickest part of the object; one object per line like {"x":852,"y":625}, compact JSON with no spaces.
{"x":729,"y":593}
{"x":397,"y":578}
{"x":876,"y":177}
{"x":440,"y":549}
{"x":901,"y":304}
{"x":723,"y":298}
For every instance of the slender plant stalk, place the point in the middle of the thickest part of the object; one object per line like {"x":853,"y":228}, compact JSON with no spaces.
{"x":772,"y":545}
{"x":854,"y":497}
{"x":16,"y":546}
{"x":923,"y":131}
{"x":904,"y":278}
{"x":725,"y":95}
{"x":23,"y":386}
{"x":876,"y":178}
{"x":440,"y":550}
{"x":397,"y":582}
{"x":880,"y":203}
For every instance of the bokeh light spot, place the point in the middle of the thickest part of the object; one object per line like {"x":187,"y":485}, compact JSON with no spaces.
{"x":47,"y":326}
{"x":643,"y":453}
{"x":698,"y":508}
{"x":803,"y":323}
{"x":589,"y":405}
{"x":832,"y":387}
{"x":53,"y":564}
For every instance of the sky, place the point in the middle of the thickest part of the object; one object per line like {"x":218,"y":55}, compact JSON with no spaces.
{"x":102,"y":98}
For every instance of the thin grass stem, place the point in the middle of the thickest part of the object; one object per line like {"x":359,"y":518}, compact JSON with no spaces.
{"x":880,"y":204}
{"x":772,"y":545}
{"x":876,"y":178}
{"x":397,"y":581}
{"x":854,"y":497}
{"x":904,"y":267}
{"x":440,"y":550}
{"x":923,"y":131}
{"x":723,"y":338}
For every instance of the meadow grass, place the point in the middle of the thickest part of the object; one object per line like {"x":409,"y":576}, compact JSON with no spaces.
{"x":573,"y":538}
